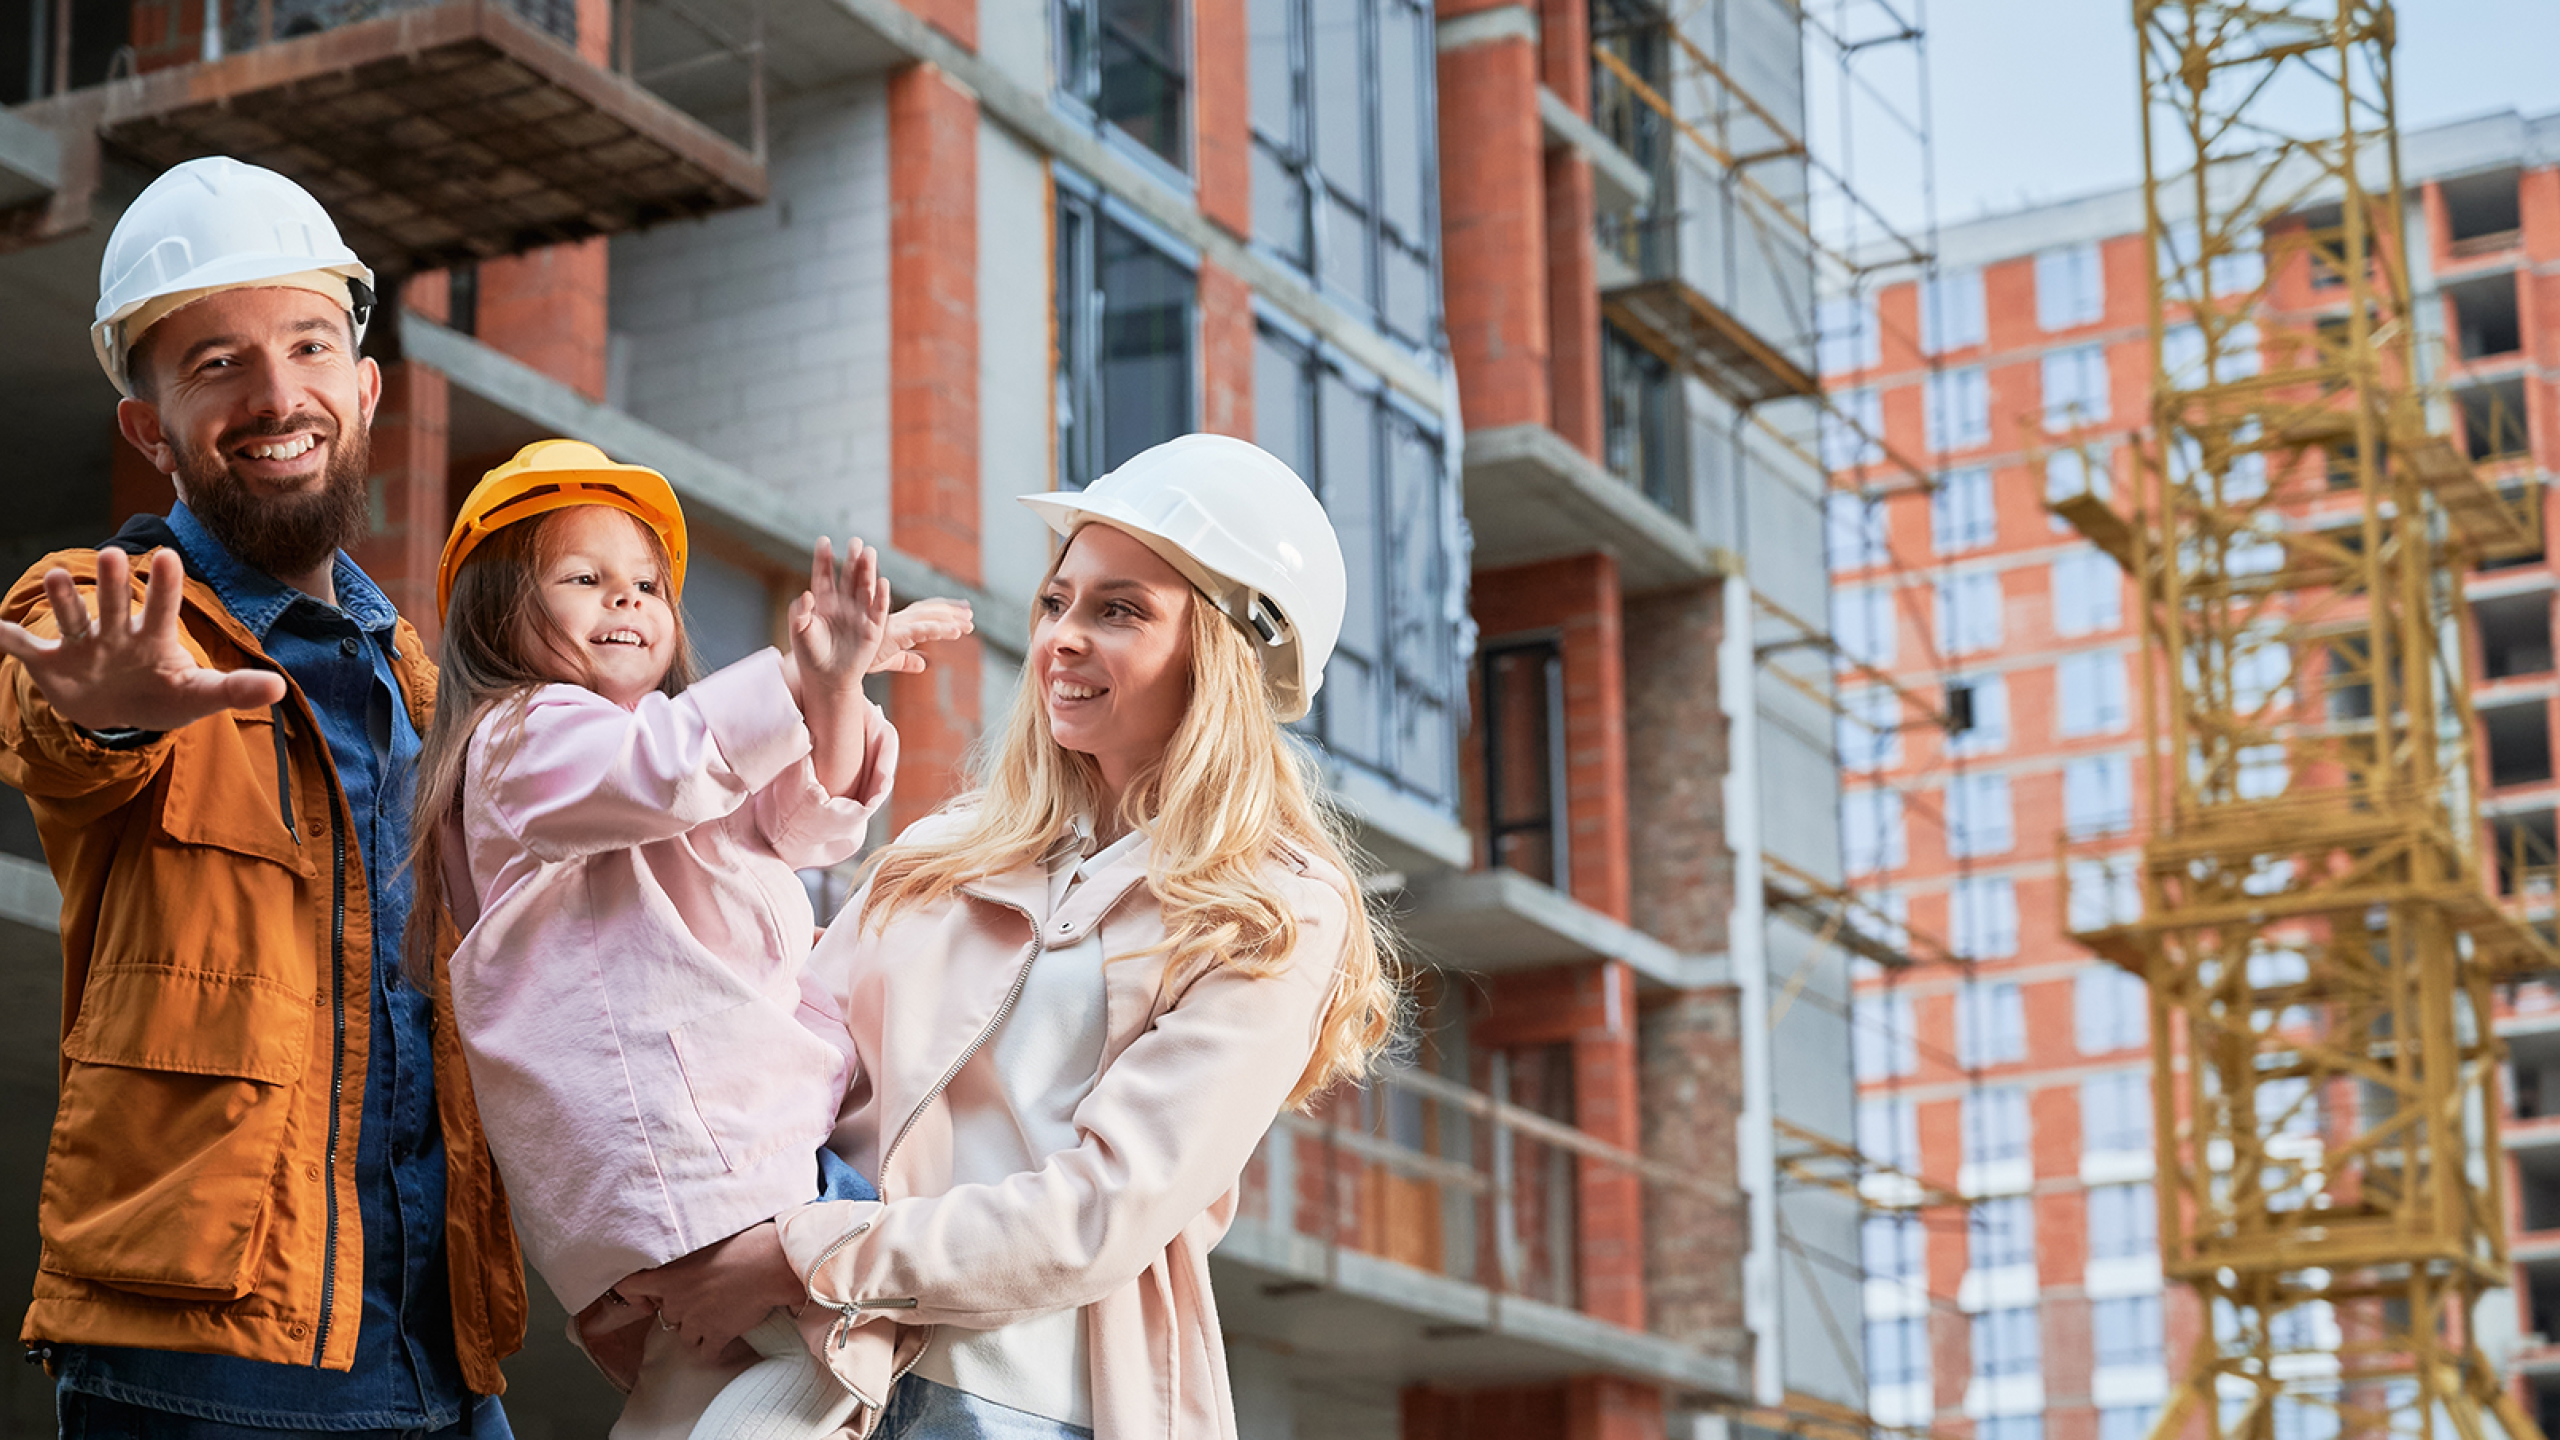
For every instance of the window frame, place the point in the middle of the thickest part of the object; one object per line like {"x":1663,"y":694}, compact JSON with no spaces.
{"x":1079,"y":97}
{"x":1081,"y":211}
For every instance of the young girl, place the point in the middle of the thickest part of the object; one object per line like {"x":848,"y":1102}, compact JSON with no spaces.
{"x":619,"y":846}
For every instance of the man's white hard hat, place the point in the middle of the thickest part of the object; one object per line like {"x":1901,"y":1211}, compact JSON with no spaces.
{"x":217,"y":224}
{"x":1240,"y":525}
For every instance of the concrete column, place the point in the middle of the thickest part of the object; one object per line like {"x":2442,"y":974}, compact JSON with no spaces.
{"x":933,"y":406}
{"x":1226,"y":353}
{"x":548,"y":309}
{"x":1492,"y":228}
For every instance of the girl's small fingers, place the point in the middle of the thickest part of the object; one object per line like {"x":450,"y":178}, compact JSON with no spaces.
{"x":822,"y":566}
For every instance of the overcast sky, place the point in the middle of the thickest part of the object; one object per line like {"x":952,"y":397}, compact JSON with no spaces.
{"x":2035,"y":99}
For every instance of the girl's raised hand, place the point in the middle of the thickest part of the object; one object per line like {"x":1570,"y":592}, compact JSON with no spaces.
{"x":841,"y":622}
{"x":920,"y":624}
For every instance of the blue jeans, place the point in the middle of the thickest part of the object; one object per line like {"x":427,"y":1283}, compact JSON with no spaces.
{"x":919,"y":1409}
{"x":95,"y":1417}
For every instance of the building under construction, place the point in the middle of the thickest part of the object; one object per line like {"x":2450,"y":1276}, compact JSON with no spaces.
{"x":877,"y":267}
{"x":2022,"y":1071}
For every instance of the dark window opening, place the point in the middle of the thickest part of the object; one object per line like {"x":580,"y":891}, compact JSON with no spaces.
{"x":2326,"y":225}
{"x":1124,"y":342}
{"x":2343,"y":473}
{"x":1959,"y":710}
{"x":2539,"y":1200}
{"x":462,"y":305}
{"x":2546,"y":1397}
{"x":2526,"y":853}
{"x":2519,"y":744}
{"x":1523,"y":722}
{"x":1124,"y":59}
{"x":2515,"y":635}
{"x":2494,"y":426}
{"x":1637,"y":33}
{"x":2481,"y":212}
{"x":1640,"y":420}
{"x":29,"y":47}
{"x":2485,"y":321}
{"x":2348,"y":678}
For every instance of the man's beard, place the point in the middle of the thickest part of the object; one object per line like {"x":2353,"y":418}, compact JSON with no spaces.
{"x":280,"y":534}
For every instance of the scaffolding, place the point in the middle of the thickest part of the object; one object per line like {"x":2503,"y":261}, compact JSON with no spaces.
{"x":2317,"y":935}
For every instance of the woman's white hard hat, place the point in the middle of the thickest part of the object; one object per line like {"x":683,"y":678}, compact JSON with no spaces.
{"x":1242,"y":527}
{"x":217,"y":224}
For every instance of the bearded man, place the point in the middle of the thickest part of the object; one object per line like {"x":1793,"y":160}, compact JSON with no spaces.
{"x":268,"y":1208}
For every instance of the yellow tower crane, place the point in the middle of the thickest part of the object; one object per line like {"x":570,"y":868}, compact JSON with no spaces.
{"x":2316,"y":932}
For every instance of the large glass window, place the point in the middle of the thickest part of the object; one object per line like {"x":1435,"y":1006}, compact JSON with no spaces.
{"x":2071,"y":287}
{"x":1978,"y":815}
{"x":2006,"y":1344}
{"x":1951,"y":313}
{"x":1125,"y":61}
{"x":2125,"y":1331}
{"x":2115,"y":1113}
{"x":1991,"y":1024}
{"x":1958,"y":408}
{"x":1125,"y":339}
{"x":1640,"y":420}
{"x":2110,"y":1010}
{"x":1995,"y":1125}
{"x":1969,"y":613}
{"x":1871,"y":835}
{"x":1895,"y":1246}
{"x":1883,"y":1041}
{"x":2097,"y":796}
{"x":1961,"y":514}
{"x":1983,"y":911}
{"x":1390,"y":694}
{"x":1898,"y":1352}
{"x":2091,"y":688}
{"x":2001,"y":1233}
{"x":2124,"y":1222}
{"x":1344,"y":186}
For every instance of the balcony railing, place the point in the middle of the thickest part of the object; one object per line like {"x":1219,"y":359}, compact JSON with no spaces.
{"x":245,"y":24}
{"x":1437,"y":1176}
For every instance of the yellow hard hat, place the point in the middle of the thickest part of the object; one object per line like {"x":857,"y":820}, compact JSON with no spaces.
{"x":554,"y":475}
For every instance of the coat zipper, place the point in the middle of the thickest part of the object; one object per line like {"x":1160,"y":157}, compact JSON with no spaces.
{"x":337,"y":1066}
{"x":852,"y":1309}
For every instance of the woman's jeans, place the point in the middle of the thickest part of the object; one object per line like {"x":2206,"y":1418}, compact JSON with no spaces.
{"x":919,"y":1409}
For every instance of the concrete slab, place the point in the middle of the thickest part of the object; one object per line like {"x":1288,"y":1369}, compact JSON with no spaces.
{"x":1531,"y":496}
{"x":1490,"y":921}
{"x":1618,"y":183}
{"x":1344,"y":1313}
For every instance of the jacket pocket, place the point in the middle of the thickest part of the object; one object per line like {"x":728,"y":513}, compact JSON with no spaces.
{"x":232,"y":786}
{"x":168,"y":1148}
{"x":743,"y":1066}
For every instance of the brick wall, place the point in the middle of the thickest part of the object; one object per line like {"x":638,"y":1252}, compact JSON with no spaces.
{"x":933,"y":407}
{"x":1690,"y":1059}
{"x":1679,"y":870}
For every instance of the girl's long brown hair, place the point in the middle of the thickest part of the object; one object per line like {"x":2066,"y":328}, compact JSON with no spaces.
{"x":1230,"y":789}
{"x":495,"y":634}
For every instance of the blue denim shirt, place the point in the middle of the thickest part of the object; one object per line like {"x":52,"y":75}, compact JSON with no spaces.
{"x":406,"y":1374}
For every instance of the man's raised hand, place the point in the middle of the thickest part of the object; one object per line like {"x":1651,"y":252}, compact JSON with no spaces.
{"x":115,"y":670}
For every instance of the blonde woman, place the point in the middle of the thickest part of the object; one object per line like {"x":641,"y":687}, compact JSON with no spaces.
{"x":1081,"y":993}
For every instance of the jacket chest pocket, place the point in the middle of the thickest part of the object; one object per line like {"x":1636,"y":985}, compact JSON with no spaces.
{"x":168,"y":1147}
{"x":232,"y":786}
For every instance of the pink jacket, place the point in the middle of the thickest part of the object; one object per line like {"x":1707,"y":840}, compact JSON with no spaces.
{"x":629,"y":991}
{"x":1122,"y":1224}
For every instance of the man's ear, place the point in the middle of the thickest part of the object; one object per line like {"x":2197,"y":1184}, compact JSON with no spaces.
{"x":140,"y":422}
{"x":368,"y":387}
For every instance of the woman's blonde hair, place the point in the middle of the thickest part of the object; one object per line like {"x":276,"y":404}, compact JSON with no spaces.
{"x":1230,"y":789}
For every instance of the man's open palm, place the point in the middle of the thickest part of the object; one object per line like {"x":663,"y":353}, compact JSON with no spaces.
{"x":118,"y":671}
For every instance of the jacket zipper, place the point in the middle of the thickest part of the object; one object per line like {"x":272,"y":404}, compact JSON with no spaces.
{"x":337,"y":1064}
{"x":284,"y":776}
{"x":852,"y":1309}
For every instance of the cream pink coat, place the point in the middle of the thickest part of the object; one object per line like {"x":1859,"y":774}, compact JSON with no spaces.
{"x":1122,"y":1224}
{"x":629,"y":991}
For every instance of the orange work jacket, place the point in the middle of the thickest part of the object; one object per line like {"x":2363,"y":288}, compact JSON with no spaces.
{"x":199,"y":1191}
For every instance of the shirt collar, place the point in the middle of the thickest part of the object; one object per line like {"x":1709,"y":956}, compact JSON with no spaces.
{"x":258,"y":600}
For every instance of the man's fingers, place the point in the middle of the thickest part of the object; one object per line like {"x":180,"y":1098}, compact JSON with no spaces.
{"x":23,"y":643}
{"x":70,"y":612}
{"x":233,"y":689}
{"x":115,"y":593}
{"x":167,"y":582}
